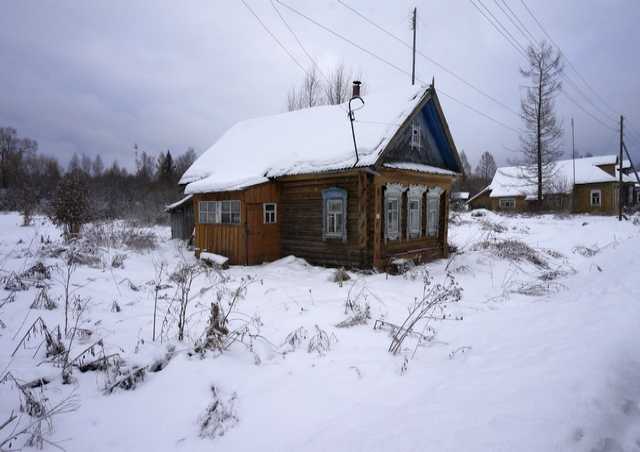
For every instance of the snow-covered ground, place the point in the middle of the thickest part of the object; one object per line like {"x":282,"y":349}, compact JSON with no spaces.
{"x":539,"y":355}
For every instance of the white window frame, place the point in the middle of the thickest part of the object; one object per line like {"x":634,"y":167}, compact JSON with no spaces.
{"x":334,"y":213}
{"x":414,"y":217}
{"x":415,"y":194}
{"x":393,"y":194}
{"x":392,"y":230}
{"x":599,"y":193}
{"x":211,"y":212}
{"x":334,"y":217}
{"x":416,"y":135}
{"x":433,"y":211}
{"x":266,"y":213}
{"x":507,"y":203}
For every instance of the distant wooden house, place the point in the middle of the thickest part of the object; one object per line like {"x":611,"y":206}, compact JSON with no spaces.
{"x":181,"y":218}
{"x":596,"y":188}
{"x":291,"y":184}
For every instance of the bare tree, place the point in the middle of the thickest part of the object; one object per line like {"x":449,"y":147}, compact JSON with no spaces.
{"x":336,"y":90}
{"x":486,"y":168}
{"x":540,"y":142}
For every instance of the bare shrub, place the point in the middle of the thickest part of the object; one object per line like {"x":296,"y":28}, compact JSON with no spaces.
{"x":37,"y":274}
{"x":492,"y":227}
{"x":53,"y":339}
{"x":31,"y":429}
{"x":536,"y":288}
{"x":356,"y":307}
{"x":295,"y":339}
{"x":585,"y":251}
{"x":14,"y":283}
{"x":514,"y":250}
{"x":120,"y":235}
{"x":434,"y":299}
{"x":339,"y":276}
{"x":321,"y":342}
{"x":220,"y":415}
{"x":117,"y":261}
{"x":44,"y":301}
{"x":183,"y":277}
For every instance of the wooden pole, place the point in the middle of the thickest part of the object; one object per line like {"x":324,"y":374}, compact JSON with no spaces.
{"x":413,"y":62}
{"x":573,"y":158}
{"x":620,"y":192}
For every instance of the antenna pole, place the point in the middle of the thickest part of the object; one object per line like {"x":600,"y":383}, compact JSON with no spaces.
{"x":413,"y":62}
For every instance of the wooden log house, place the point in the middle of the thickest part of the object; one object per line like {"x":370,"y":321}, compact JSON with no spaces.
{"x":291,"y":184}
{"x":595,"y":189}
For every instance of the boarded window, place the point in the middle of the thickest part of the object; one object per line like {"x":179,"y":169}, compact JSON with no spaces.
{"x":270,"y":213}
{"x":414,"y":216}
{"x":596,"y":198}
{"x":507,"y":203}
{"x":433,"y":215}
{"x":334,"y":212}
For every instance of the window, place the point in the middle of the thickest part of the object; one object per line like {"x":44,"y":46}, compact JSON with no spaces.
{"x":335,"y":213}
{"x":392,"y":217}
{"x":219,"y":212}
{"x":230,"y":212}
{"x":414,"y":217}
{"x":334,"y":217}
{"x":209,"y":212}
{"x":270,"y":213}
{"x":433,"y":211}
{"x":416,"y":135}
{"x":507,"y":203}
{"x":596,"y":198}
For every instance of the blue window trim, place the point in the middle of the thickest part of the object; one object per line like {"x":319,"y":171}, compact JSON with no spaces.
{"x":334,"y":193}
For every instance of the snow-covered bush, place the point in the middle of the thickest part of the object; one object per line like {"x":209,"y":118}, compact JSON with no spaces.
{"x":70,"y":207}
{"x":321,"y":342}
{"x":339,"y":276}
{"x":514,"y":250}
{"x":119,"y":235}
{"x":295,"y":339}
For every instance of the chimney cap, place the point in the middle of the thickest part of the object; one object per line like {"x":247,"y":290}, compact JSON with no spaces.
{"x":356,"y":89}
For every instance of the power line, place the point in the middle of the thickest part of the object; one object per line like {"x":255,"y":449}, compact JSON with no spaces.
{"x":295,"y":36}
{"x":565,"y":75}
{"x":275,"y":38}
{"x":428,"y":58}
{"x":515,"y":44}
{"x":612,"y":110}
{"x":383,"y":60}
{"x":527,"y":34}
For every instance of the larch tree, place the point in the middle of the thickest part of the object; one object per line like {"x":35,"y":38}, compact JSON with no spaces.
{"x":486,"y":168}
{"x":541,"y":139}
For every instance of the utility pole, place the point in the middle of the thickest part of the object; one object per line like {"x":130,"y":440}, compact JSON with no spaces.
{"x":573,"y":156}
{"x":413,"y":63}
{"x":621,"y":193}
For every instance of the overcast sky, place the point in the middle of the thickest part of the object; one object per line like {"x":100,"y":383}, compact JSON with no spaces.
{"x":96,"y":77}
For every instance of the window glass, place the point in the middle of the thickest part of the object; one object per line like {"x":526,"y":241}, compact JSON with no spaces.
{"x":413,"y":220}
{"x":392,"y":217}
{"x":433,"y":215}
{"x":595,"y":197}
{"x":269,"y":213}
{"x":334,"y":211}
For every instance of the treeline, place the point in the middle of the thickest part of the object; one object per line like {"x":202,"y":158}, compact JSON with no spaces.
{"x":29,"y":181}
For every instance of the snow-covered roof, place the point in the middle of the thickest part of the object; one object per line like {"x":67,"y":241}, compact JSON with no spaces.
{"x":304,"y":141}
{"x":419,"y":167}
{"x":509,"y":181}
{"x":461,"y":195}
{"x":178,"y":203}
